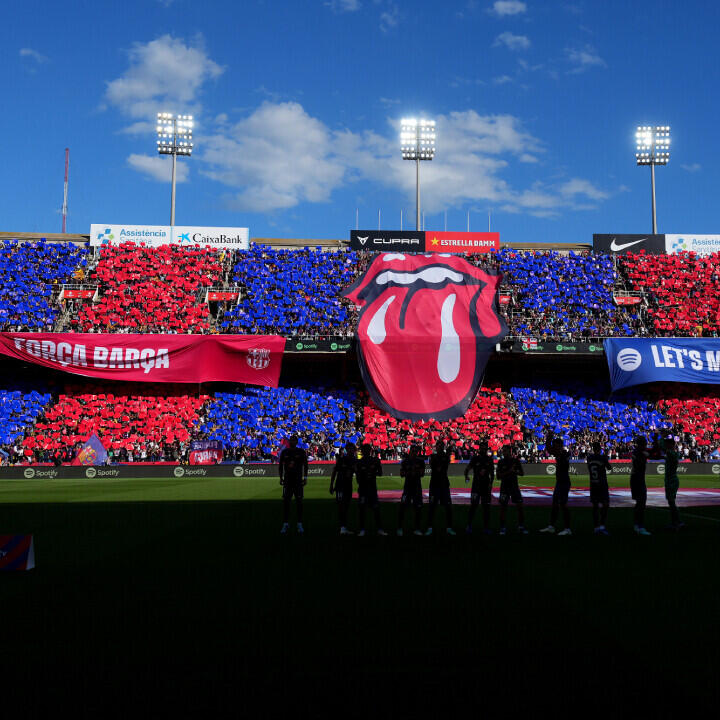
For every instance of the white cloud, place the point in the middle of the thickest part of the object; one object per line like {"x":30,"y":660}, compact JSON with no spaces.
{"x":583,"y":59}
{"x":692,"y":167}
{"x":502,"y":8}
{"x":512,"y":42}
{"x":578,"y":186}
{"x":343,"y":5}
{"x":158,"y":167}
{"x":390,"y":17}
{"x":280,"y":156}
{"x":502,"y":80}
{"x":33,"y":55}
{"x":164,"y":74}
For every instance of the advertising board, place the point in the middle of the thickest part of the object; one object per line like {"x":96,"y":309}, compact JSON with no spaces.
{"x":154,"y":235}
{"x":619,"y":244}
{"x":700,"y":244}
{"x":387,"y":240}
{"x":462,"y":242}
{"x":315,"y":471}
{"x":424,"y":241}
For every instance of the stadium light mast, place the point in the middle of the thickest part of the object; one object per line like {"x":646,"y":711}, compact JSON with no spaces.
{"x":174,"y":138}
{"x":417,"y":142}
{"x":653,"y":148}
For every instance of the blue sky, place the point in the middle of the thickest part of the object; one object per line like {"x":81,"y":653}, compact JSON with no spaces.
{"x":297,"y":106}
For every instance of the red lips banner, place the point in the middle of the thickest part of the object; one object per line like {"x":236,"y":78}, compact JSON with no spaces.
{"x":427,"y":326}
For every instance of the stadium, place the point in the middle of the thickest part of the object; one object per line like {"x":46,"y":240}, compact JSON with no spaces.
{"x":560,"y":304}
{"x":370,"y":428}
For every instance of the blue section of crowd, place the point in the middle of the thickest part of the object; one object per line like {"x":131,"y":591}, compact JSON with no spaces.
{"x":293,"y":292}
{"x":563,"y":294}
{"x":18,"y":411}
{"x":581,"y":413}
{"x":28,"y":271}
{"x":260,"y":419}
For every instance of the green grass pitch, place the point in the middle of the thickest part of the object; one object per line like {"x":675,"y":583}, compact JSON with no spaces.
{"x":152,"y":596}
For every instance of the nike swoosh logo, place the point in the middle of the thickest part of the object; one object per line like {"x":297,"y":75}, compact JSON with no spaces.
{"x":617,"y":248}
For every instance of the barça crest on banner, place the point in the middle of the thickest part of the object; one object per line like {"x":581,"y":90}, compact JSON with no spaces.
{"x":258,"y":358}
{"x":427,"y":326}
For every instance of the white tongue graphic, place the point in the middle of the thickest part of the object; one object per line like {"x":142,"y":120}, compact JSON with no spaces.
{"x":448,"y":362}
{"x":376,"y":327}
{"x":429,"y":275}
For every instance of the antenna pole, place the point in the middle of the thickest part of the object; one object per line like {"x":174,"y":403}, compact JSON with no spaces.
{"x":65,"y":191}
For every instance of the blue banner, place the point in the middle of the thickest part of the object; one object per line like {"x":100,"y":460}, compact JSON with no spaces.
{"x":634,"y":361}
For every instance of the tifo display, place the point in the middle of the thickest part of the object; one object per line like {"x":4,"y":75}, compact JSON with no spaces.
{"x":547,"y":295}
{"x":147,"y":422}
{"x":119,"y":293}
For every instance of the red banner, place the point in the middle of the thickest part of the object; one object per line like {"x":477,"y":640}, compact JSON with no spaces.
{"x":252,"y":359}
{"x":222,"y":295}
{"x":504,"y":299}
{"x":627,"y":300}
{"x":73,"y":294}
{"x":462,"y":242}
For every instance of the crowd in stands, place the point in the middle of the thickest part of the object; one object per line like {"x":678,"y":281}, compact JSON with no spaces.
{"x":683,"y":291}
{"x":292,"y":292}
{"x":152,"y":290}
{"x":551,"y":296}
{"x":152,"y":423}
{"x":491,"y":417}
{"x":695,"y":411}
{"x":580,"y":414}
{"x":255,"y":424}
{"x":18,"y":411}
{"x":29,"y":271}
{"x":563,"y":297}
{"x":137,"y":423}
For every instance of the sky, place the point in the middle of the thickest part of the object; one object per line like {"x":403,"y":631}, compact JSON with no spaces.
{"x":297,"y":105}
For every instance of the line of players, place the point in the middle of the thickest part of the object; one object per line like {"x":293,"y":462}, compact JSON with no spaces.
{"x":293,"y":470}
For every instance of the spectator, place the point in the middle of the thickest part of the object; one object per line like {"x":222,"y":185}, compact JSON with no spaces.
{"x":255,"y":424}
{"x":682,"y":291}
{"x":293,"y":292}
{"x":30,"y":272}
{"x":151,"y":290}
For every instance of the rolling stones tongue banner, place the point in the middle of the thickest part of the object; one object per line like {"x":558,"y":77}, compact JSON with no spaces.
{"x":427,"y":325}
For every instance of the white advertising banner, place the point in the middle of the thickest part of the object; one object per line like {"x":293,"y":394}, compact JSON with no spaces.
{"x":700,"y":244}
{"x":154,"y":235}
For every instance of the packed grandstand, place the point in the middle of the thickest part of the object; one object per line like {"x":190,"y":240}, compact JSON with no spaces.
{"x":549,"y":295}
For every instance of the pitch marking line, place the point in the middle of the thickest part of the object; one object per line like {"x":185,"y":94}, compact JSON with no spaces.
{"x":702,"y":517}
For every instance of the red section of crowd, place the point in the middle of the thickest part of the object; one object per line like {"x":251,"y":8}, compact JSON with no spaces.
{"x":491,"y":417}
{"x":151,"y":290}
{"x":131,"y":422}
{"x":683,"y":290}
{"x":695,"y":412}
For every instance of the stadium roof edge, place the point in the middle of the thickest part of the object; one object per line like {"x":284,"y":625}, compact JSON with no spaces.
{"x":81,"y":238}
{"x":308,"y":242}
{"x":50,"y":237}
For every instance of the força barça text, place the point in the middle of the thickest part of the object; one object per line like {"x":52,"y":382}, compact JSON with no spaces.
{"x":76,"y":354}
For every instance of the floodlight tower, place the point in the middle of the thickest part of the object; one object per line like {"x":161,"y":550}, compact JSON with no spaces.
{"x":653,"y":148}
{"x":174,"y":138}
{"x":417,"y":142}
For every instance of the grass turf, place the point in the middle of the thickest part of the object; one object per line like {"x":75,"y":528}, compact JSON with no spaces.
{"x":202,"y":607}
{"x":230,"y":488}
